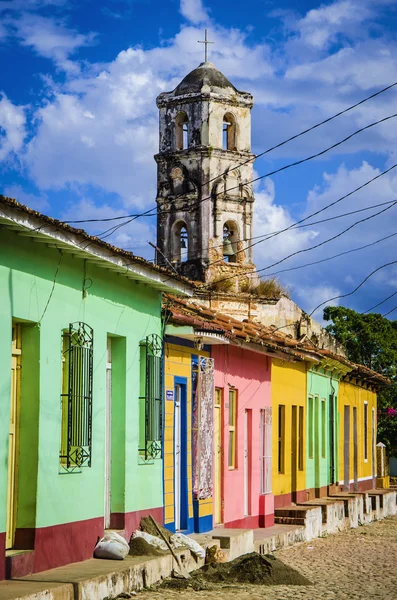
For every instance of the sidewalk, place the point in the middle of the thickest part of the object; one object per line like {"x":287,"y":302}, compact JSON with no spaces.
{"x":95,"y":579}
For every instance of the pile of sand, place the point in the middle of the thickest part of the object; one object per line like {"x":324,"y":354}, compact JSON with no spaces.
{"x":140,"y":547}
{"x":251,"y":568}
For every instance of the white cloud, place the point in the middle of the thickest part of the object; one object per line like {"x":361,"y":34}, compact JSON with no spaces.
{"x":12,"y":128}
{"x":194,"y":11}
{"x":50,"y":38}
{"x":133,"y":236}
{"x":102,"y":129}
{"x":311,"y":296}
{"x":37,"y":202}
{"x":320,"y":25}
{"x":269,"y":218}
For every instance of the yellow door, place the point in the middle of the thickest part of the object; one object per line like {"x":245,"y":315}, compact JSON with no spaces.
{"x":218,"y":456}
{"x":13,"y":436}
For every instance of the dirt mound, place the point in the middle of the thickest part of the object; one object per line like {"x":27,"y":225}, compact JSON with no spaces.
{"x":251,"y":568}
{"x":146,"y":525}
{"x":140,"y":547}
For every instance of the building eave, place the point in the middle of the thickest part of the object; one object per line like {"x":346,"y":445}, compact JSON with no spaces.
{"x":56,"y":234}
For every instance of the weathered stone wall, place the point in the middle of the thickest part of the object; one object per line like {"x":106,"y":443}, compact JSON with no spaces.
{"x":281,"y":313}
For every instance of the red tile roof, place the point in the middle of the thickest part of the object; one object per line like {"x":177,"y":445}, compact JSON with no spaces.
{"x":201,"y":317}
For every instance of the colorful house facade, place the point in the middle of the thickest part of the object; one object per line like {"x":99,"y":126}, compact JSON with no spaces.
{"x":187,"y":503}
{"x":229,"y":416}
{"x":289,"y":389}
{"x":322,"y":425}
{"x":357,"y":427}
{"x":81,"y":334}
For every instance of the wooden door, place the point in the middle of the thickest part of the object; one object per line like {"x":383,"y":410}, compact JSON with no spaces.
{"x":346,"y":450}
{"x":355,"y":450}
{"x":13,"y":436}
{"x":218,"y":457}
{"x":247,"y":460}
{"x":294,"y":453}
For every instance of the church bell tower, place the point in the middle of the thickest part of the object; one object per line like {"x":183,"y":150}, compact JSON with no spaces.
{"x":205,"y":169}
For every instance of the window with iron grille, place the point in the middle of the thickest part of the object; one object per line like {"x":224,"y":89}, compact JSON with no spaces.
{"x":151,"y":397}
{"x":76,"y":397}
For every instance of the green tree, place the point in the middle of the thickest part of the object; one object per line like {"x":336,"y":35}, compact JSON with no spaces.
{"x":371,"y":340}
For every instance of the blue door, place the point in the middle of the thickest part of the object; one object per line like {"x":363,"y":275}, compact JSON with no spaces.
{"x":180,"y":454}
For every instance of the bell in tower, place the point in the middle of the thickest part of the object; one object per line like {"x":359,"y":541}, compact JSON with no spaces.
{"x":205,"y":169}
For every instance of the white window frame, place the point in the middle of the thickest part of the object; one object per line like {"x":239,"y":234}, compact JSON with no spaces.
{"x":266,"y":450}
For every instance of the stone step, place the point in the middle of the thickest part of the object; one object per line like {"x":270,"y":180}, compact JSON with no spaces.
{"x":289,"y":520}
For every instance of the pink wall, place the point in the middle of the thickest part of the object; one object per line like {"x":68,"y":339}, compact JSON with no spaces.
{"x":249,"y":373}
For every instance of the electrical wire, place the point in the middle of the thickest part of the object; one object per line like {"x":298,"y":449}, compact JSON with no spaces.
{"x":379,"y":303}
{"x":328,"y":239}
{"x":317,"y":262}
{"x":393,"y":262}
{"x":256,"y":156}
{"x":312,"y":215}
{"x":112,"y":230}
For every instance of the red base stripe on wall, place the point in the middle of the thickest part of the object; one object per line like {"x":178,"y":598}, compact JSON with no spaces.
{"x":129,"y":522}
{"x":68,"y":543}
{"x":288,"y":499}
{"x":2,"y":556}
{"x":252,"y":522}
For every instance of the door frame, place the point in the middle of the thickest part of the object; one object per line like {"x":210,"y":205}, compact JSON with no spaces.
{"x":13,"y":447}
{"x":181,"y":382}
{"x":108,"y":436}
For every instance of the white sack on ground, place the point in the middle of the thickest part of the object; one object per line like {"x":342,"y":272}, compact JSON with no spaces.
{"x":112,"y":546}
{"x":180,"y":539}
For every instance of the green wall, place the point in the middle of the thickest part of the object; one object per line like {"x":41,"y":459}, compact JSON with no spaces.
{"x":113,"y":306}
{"x":318,"y":452}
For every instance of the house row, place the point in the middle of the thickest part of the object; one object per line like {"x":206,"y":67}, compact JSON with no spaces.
{"x":269,"y":421}
{"x":122,"y":396}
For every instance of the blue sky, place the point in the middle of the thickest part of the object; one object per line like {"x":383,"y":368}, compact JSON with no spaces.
{"x":79,"y":125}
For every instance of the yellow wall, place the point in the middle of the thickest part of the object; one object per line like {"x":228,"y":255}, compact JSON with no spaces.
{"x":178,"y":363}
{"x":355,"y":396}
{"x":289,"y":383}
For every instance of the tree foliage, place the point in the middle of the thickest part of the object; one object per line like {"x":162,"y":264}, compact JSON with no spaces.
{"x":371,"y":340}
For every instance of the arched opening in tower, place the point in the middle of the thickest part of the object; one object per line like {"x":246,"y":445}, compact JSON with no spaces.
{"x":180,"y":243}
{"x":230,"y":238}
{"x":229,"y":132}
{"x":181,"y":131}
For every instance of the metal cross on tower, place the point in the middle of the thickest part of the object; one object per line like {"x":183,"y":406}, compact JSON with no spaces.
{"x":206,"y":42}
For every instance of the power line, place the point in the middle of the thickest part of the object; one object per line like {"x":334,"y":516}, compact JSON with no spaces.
{"x":264,"y":236}
{"x":293,"y":225}
{"x":270,"y":173}
{"x":279,"y":145}
{"x":390,"y":311}
{"x":317,"y":262}
{"x":355,"y":289}
{"x":379,"y":303}
{"x":329,"y":239}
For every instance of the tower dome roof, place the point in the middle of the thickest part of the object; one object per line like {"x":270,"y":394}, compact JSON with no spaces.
{"x":206,"y":74}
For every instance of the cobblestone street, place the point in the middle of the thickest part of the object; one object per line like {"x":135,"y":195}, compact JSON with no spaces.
{"x":354,"y":565}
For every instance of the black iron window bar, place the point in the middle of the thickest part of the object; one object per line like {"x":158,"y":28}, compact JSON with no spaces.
{"x":153,"y":398}
{"x":79,"y":364}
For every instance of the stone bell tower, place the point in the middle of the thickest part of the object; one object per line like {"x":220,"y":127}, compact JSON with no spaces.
{"x":205,"y":166}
